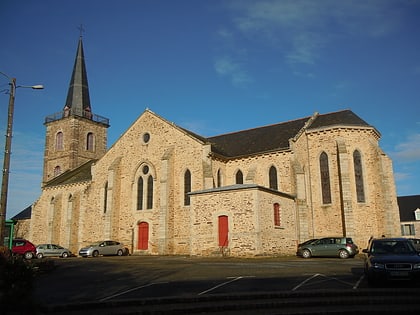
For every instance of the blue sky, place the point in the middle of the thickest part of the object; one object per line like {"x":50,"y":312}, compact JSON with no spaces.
{"x":213,"y":66}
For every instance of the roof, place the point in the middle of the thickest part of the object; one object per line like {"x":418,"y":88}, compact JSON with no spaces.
{"x":80,"y":174}
{"x":24,"y":214}
{"x":78,"y":95}
{"x":276,"y":137}
{"x":407,"y":206}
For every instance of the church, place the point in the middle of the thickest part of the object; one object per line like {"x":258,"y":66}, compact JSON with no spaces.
{"x":161,"y":189}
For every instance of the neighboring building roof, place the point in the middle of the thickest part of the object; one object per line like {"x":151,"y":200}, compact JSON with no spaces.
{"x":276,"y":137}
{"x":24,"y":214}
{"x":80,"y":174}
{"x":407,"y":205}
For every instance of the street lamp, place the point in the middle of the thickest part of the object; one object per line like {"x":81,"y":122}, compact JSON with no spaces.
{"x":7,"y":148}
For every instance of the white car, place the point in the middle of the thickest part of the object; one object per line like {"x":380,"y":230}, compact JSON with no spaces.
{"x":103,"y":248}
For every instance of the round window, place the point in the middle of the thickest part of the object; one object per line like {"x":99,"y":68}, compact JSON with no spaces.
{"x":145,"y":169}
{"x":146,"y":137}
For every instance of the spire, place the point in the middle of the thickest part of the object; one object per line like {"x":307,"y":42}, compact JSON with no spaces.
{"x":78,"y":95}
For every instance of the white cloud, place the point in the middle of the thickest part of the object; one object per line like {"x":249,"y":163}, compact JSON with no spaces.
{"x":408,"y":150}
{"x":302,"y":29}
{"x":225,"y":66}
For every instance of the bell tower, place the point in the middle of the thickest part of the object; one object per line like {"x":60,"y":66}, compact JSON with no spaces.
{"x":75,"y":135}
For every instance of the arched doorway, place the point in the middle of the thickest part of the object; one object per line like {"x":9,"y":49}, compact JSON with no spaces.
{"x":143,"y":238}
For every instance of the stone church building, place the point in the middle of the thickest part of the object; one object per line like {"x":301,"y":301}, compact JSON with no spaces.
{"x":163,"y":190}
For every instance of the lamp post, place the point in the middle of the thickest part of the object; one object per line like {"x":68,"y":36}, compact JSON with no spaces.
{"x":7,"y":149}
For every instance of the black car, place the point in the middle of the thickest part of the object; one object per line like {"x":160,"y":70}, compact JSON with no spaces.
{"x":391,"y":259}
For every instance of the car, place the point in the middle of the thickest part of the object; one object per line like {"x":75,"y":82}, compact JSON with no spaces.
{"x":416,"y":243}
{"x":342,"y":247}
{"x":391,"y":259}
{"x":24,"y":248}
{"x":51,"y":250}
{"x":103,"y":248}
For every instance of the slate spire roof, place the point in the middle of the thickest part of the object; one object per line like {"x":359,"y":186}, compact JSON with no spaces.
{"x":78,"y":95}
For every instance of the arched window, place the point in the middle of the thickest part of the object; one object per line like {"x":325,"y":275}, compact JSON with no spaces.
{"x":89,"y":141}
{"x":325,"y":178}
{"x":145,"y":189}
{"x":59,"y":141}
{"x":140,"y":193}
{"x":105,"y":196}
{"x":272,"y":174}
{"x":150,"y":192}
{"x":358,"y":175}
{"x":276,"y":208}
{"x":57,"y":170}
{"x":239,"y":177}
{"x":219,"y":178}
{"x":187,"y":187}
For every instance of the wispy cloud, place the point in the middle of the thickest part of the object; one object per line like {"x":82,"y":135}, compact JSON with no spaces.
{"x":226,"y":66}
{"x":302,"y":29}
{"x":409,"y":150}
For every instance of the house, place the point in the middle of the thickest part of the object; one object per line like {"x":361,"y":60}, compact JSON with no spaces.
{"x":164,"y":190}
{"x":410,"y":215}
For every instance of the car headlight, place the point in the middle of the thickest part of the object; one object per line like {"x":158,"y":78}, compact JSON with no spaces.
{"x":378,"y":266}
{"x":416,"y":266}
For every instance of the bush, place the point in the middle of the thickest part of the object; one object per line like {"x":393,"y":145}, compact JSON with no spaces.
{"x":16,"y":281}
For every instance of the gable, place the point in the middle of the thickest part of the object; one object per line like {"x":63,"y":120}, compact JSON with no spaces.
{"x":407,"y":205}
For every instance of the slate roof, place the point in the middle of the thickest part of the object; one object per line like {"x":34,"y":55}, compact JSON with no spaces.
{"x":276,"y":137}
{"x":78,"y":94}
{"x":25,"y":214}
{"x":80,"y":174}
{"x":407,"y":205}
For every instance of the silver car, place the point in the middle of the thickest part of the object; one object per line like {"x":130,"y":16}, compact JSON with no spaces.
{"x":50,"y":250}
{"x":103,"y":248}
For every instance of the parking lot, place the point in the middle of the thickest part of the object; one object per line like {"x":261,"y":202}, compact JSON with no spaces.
{"x":135,"y":278}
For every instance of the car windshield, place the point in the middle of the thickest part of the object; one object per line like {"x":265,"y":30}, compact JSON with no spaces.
{"x":95,"y":244}
{"x":393,"y":247}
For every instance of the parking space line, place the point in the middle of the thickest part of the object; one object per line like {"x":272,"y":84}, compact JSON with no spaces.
{"x":130,"y":290}
{"x":220,"y":285}
{"x":305,"y":281}
{"x":359,"y":281}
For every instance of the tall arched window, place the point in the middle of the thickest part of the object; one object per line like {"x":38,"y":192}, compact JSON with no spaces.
{"x":277,"y":218}
{"x":358,"y":175}
{"x":150,"y":192}
{"x":187,"y":187}
{"x":239,"y":177}
{"x":105,"y":196}
{"x":140,"y":193}
{"x":325,"y":178}
{"x":272,"y":174}
{"x":59,"y":145}
{"x":145,"y":189}
{"x":89,"y":141}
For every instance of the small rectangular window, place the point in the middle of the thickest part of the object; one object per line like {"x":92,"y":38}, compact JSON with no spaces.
{"x":407,"y":229}
{"x":277,"y":219}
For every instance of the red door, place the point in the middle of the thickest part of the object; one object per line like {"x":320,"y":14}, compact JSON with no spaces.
{"x":223,"y":230}
{"x":143,"y":240}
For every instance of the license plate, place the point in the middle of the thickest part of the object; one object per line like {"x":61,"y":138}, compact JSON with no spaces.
{"x":399,"y":273}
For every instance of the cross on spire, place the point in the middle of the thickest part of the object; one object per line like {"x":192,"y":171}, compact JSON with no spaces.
{"x":81,"y":29}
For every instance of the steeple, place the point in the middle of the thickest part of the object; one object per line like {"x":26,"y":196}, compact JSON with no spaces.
{"x":78,"y":101}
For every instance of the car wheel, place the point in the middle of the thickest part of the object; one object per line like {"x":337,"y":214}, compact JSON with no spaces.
{"x":39,"y":256}
{"x":95,"y":253}
{"x":28,"y":255}
{"x":65,"y":255}
{"x":120,"y":252}
{"x":343,"y":254}
{"x":306,"y":253}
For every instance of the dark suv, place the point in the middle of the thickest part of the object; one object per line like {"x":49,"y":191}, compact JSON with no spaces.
{"x":23,"y":247}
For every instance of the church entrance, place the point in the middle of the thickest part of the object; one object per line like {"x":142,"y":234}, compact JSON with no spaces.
{"x":143,"y":238}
